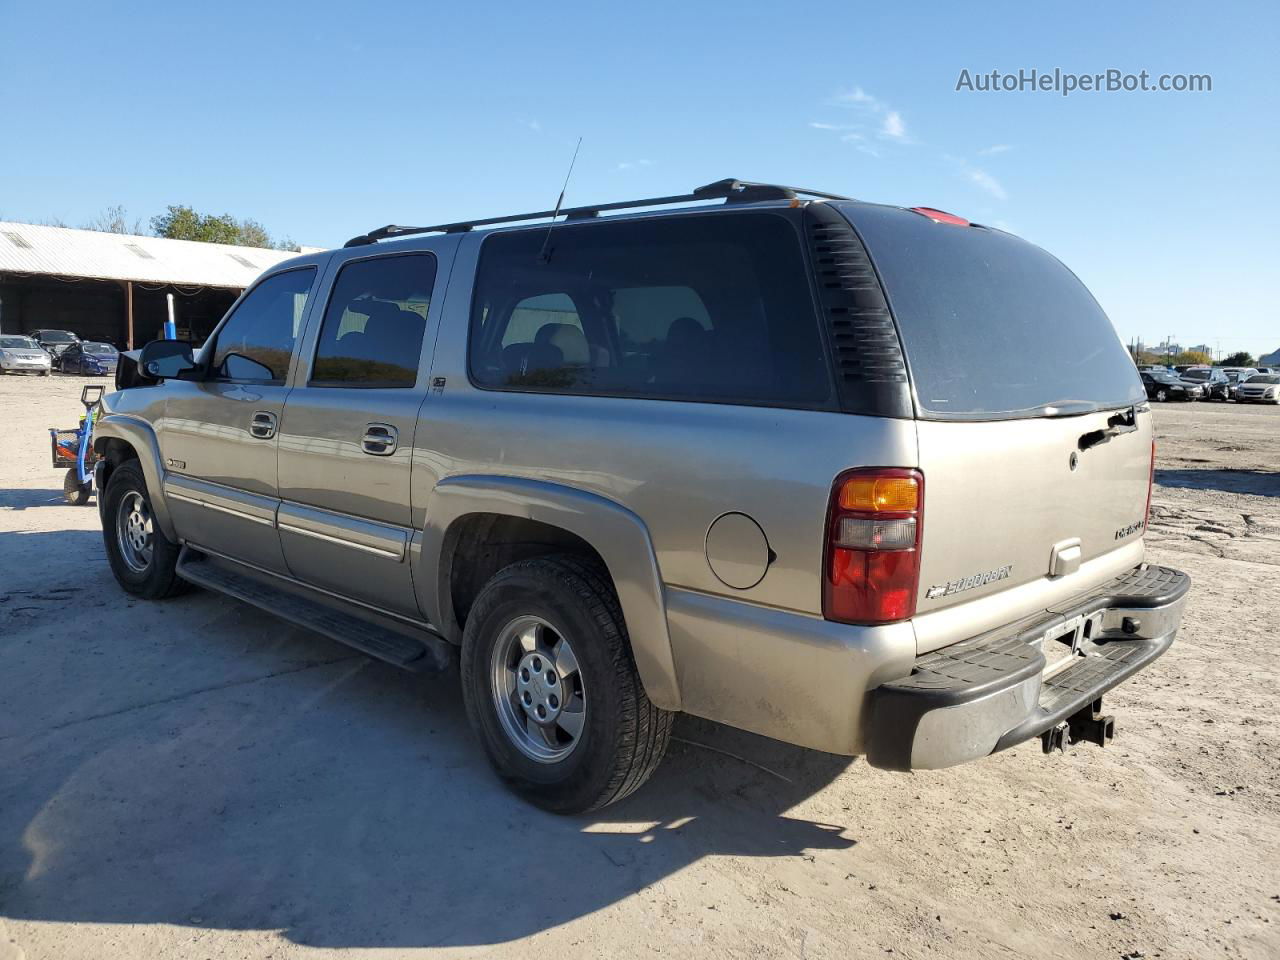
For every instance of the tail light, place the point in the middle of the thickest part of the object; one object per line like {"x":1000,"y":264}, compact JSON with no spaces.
{"x":872,"y":557}
{"x":1151,"y":482}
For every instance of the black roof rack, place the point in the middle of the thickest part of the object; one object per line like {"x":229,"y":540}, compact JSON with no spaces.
{"x":731,"y":191}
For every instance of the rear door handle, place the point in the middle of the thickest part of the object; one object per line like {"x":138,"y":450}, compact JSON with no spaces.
{"x":263,"y":424}
{"x":380,"y":439}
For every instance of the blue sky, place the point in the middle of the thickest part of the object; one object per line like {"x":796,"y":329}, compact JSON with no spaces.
{"x":326,"y":119}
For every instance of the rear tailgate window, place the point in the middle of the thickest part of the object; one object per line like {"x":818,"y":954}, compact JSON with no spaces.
{"x":992,"y":326}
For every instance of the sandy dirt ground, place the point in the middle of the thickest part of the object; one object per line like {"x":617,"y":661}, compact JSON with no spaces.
{"x":195,"y":779}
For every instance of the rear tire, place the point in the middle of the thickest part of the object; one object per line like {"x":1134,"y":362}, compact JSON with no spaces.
{"x":73,"y":491}
{"x":1161,"y":396}
{"x":142,"y":558}
{"x":516,"y":627}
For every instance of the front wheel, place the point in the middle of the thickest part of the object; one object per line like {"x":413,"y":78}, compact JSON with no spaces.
{"x":1162,"y":395}
{"x":551,"y":687}
{"x":142,"y":558}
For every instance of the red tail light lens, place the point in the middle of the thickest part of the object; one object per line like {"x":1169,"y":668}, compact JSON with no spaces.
{"x":872,"y":560}
{"x":1151,"y":482}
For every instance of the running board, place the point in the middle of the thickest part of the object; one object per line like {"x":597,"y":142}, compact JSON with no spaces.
{"x":401,"y":646}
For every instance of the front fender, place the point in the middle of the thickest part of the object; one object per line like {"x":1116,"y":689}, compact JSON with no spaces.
{"x":617,"y":534}
{"x":141,"y":437}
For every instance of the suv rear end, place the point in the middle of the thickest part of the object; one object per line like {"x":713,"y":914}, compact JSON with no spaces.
{"x":1027,"y":594}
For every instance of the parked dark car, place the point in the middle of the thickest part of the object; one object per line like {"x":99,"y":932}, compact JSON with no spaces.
{"x":1169,"y":386}
{"x":54,"y":341}
{"x":1214,"y":380}
{"x":90,"y":358}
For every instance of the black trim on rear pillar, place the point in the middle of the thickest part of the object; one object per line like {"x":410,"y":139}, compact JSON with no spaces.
{"x":871,"y":374}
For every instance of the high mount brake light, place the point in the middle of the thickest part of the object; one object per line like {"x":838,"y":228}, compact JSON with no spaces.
{"x":940,"y":216}
{"x":872,"y":558}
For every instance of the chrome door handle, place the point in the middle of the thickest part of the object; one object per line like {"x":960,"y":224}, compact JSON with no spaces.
{"x":263,"y":424}
{"x":380,"y":439}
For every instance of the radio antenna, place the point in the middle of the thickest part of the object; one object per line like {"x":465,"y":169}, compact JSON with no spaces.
{"x":545,"y":255}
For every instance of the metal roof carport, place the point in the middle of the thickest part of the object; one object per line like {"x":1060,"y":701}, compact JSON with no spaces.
{"x":93,"y":283}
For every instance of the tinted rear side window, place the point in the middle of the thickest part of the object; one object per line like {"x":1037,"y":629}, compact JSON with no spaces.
{"x":375,"y":323}
{"x":992,"y":326}
{"x":711,"y":308}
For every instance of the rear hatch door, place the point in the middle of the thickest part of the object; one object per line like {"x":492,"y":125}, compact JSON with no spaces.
{"x":1034,"y":433}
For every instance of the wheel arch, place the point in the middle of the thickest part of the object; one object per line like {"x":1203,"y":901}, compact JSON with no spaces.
{"x":117,"y":438}
{"x":547,"y":517}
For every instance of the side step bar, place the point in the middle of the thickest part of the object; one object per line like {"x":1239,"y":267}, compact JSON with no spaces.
{"x":402,"y":646}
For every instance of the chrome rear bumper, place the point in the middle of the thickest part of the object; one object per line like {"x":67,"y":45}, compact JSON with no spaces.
{"x":993,"y":691}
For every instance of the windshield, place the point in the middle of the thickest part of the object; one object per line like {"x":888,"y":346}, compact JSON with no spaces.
{"x":1198,"y":374}
{"x":992,"y":326}
{"x":98,"y":348}
{"x":1165,"y":377}
{"x":18,"y":343}
{"x":57,"y":336}
{"x":1264,"y":378}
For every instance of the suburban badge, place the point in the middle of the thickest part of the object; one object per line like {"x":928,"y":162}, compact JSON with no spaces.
{"x":968,"y":583}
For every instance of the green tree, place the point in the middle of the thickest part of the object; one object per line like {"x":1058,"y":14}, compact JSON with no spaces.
{"x":185,"y":223}
{"x":254,"y":234}
{"x":1192,"y":356}
{"x":1241,"y":358}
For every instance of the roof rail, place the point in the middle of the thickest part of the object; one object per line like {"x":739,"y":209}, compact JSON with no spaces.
{"x":731,"y":191}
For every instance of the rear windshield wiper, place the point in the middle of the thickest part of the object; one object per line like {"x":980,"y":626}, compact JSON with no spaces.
{"x":1059,"y":408}
{"x":1126,"y":421}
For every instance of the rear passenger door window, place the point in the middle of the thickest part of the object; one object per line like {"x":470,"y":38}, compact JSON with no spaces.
{"x":256,"y":342}
{"x":375,"y":323}
{"x":710,"y":308}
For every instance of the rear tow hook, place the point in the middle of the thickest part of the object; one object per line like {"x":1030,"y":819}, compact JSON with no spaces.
{"x":1088,"y":724}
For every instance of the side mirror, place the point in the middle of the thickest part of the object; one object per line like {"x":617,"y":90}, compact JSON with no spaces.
{"x":162,"y":359}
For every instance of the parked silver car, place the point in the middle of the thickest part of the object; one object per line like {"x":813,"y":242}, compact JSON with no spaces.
{"x":1261,"y":388}
{"x":861,"y":478}
{"x":19,"y":354}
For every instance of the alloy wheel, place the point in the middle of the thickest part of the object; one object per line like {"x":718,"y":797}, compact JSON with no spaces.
{"x":538,"y":690}
{"x":134,"y":531}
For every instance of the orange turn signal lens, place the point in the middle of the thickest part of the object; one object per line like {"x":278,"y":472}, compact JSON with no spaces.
{"x":876,"y":494}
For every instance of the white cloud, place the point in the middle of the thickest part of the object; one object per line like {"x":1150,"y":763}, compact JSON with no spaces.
{"x":858,"y":95}
{"x":633,"y":164}
{"x":893,"y":127}
{"x":826,"y":126}
{"x":533,"y":125}
{"x":987,"y":182}
{"x":889,"y":122}
{"x":869,"y":151}
{"x":993,"y":150}
{"x":852,"y":137}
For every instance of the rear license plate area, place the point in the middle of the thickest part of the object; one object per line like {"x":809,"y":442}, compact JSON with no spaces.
{"x":1061,"y":644}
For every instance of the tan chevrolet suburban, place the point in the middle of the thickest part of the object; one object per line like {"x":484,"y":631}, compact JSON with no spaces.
{"x":867,"y":479}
